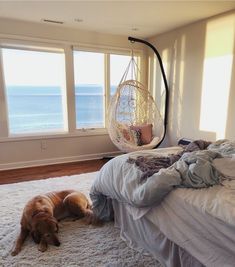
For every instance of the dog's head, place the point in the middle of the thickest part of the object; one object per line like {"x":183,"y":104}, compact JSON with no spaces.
{"x":45,"y":227}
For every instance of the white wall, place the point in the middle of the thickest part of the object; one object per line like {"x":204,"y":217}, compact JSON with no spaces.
{"x":200,"y":65}
{"x":21,"y":152}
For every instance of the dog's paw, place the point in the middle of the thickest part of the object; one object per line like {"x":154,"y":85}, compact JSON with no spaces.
{"x":42,"y":246}
{"x":42,"y":249}
{"x":14,"y":253}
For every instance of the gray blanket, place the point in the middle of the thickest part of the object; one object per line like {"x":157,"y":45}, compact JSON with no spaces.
{"x":119,"y":180}
{"x":151,"y":165}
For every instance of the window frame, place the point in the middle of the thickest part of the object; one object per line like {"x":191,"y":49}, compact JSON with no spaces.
{"x":105,"y":89}
{"x":67,"y":48}
{"x":33,"y":48}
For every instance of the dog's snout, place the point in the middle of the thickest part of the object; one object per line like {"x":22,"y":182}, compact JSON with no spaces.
{"x":57,"y":243}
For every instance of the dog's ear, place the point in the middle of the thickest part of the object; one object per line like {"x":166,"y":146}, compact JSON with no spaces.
{"x":35,"y":233}
{"x":53,"y":220}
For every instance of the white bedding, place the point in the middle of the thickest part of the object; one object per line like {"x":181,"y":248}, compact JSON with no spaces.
{"x":217,"y":201}
{"x":159,"y":151}
{"x":202,"y":223}
{"x":137,"y":213}
{"x":226,"y":166}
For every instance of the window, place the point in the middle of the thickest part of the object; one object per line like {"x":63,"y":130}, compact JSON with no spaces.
{"x":56,"y":89}
{"x":89,"y":89}
{"x":34,"y":84}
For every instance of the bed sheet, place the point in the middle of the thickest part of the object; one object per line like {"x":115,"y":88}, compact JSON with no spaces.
{"x":200,"y":221}
{"x":144,"y":236}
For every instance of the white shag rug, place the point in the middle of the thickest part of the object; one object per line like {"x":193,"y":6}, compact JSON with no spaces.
{"x":81,"y":244}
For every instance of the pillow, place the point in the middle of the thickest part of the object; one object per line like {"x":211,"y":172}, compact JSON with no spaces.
{"x":146,"y":133}
{"x":125,"y":132}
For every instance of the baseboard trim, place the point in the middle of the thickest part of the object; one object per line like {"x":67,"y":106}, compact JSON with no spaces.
{"x":36,"y":163}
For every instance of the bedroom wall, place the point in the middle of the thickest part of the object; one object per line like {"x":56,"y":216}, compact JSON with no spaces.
{"x":22,"y":152}
{"x":199,"y":60}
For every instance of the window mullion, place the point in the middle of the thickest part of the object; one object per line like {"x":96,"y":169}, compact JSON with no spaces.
{"x":3,"y":103}
{"x":70,"y":90}
{"x":107,"y":85}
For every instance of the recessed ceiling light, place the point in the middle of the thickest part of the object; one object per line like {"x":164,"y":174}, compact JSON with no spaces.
{"x":78,"y":20}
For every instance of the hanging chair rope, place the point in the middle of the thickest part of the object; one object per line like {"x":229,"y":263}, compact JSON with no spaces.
{"x":131,"y":67}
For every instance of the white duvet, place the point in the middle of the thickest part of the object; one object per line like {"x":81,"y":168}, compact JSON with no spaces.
{"x":217,"y":201}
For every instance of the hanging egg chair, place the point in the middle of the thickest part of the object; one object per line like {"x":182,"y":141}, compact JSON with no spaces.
{"x":134,"y":121}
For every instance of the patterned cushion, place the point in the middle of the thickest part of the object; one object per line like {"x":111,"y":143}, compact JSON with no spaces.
{"x":137,"y":137}
{"x":146,"y":133}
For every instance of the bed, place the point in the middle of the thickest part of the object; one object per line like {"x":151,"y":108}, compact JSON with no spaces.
{"x":183,"y":214}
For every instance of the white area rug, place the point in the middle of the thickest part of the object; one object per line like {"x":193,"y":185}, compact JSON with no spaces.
{"x":81,"y":245}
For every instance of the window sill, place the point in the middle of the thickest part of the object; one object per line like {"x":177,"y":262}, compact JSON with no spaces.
{"x":40,"y":136}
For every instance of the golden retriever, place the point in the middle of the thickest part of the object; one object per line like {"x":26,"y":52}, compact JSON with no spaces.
{"x":41,"y":214}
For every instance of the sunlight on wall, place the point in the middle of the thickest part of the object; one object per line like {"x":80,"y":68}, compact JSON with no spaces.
{"x":217,"y":72}
{"x":154,"y":78}
{"x":166,"y":65}
{"x":181,"y":77}
{"x":153,"y":61}
{"x":165,"y":61}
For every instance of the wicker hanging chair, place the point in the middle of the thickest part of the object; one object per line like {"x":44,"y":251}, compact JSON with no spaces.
{"x":134,"y":121}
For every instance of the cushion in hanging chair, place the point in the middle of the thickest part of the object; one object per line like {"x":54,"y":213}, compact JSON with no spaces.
{"x":146,"y":133}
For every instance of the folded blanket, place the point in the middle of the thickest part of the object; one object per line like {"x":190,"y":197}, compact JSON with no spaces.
{"x":150,"y":165}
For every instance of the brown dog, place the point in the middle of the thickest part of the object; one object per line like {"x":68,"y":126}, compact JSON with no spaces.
{"x":41,"y":213}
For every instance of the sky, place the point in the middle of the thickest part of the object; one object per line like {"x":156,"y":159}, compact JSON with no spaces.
{"x":24,"y":67}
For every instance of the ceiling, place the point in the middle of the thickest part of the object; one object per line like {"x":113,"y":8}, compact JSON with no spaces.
{"x":139,"y":18}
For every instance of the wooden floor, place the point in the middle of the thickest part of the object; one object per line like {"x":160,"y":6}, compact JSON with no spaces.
{"x":43,"y":172}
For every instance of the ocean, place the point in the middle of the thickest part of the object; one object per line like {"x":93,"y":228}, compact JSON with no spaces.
{"x":34,"y":109}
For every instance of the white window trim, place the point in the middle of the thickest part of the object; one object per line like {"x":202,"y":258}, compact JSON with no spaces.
{"x":70,"y":90}
{"x":35,"y":48}
{"x":43,"y":136}
{"x":3,"y":106}
{"x":107,"y":86}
